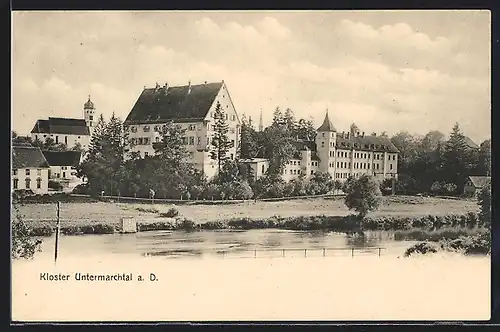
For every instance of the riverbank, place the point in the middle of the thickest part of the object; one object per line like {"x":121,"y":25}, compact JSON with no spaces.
{"x":84,"y":213}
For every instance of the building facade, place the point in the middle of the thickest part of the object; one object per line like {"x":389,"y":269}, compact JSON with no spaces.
{"x":474,"y":184}
{"x":63,"y":166}
{"x":68,"y":131}
{"x":191,"y":107}
{"x":30,"y":169}
{"x":343,"y":155}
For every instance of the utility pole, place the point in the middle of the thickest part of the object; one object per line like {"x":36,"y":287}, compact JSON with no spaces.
{"x":58,"y":228}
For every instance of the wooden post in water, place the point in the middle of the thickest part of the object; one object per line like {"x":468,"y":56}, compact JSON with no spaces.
{"x":283,"y":252}
{"x":324,"y":252}
{"x":305,"y":252}
{"x":352,"y":252}
{"x":255,"y":253}
{"x":378,"y":252}
{"x":58,"y":228}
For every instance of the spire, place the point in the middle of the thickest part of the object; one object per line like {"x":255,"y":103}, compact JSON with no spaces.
{"x":261,"y":125}
{"x":89,"y":104}
{"x":327,"y":124}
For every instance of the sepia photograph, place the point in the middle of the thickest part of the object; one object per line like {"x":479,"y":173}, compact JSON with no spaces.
{"x":176,"y":166}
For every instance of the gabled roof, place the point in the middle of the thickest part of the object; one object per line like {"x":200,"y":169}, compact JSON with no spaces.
{"x":177,"y":103}
{"x":470,"y":143}
{"x":63,"y":126}
{"x":327,"y":125}
{"x":480,"y":181}
{"x":62,"y":158}
{"x":28,"y":157}
{"x":366,"y":143}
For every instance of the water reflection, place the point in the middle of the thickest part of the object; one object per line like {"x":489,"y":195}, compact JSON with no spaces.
{"x":244,"y":243}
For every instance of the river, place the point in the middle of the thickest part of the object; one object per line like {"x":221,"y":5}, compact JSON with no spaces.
{"x":203,"y":284}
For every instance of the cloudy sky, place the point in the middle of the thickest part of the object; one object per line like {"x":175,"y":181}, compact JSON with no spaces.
{"x":385,"y":71}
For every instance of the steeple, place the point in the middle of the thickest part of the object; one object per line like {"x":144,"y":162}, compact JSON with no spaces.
{"x":88,"y":114}
{"x":261,"y":125}
{"x":327,"y":124}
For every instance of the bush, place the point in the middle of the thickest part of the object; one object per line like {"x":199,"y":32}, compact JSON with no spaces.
{"x":24,"y":245}
{"x":241,"y":190}
{"x":421,"y":248}
{"x":95,"y":229}
{"x":211,"y":225}
{"x":185,"y":225}
{"x":171,"y":213}
{"x":82,"y":189}
{"x":484,"y":200}
{"x":155,"y":226}
{"x":55,"y":185}
{"x":42,"y":230}
{"x":147,"y":209}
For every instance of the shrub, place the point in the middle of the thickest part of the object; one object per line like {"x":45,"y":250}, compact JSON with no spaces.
{"x":24,"y":245}
{"x":363,"y":194}
{"x":42,"y":230}
{"x":155,"y":226}
{"x":210,"y":225}
{"x":185,"y":225}
{"x":421,"y":248}
{"x":484,"y":200}
{"x":147,"y":209}
{"x":171,"y":213}
{"x":55,"y":185}
{"x":241,"y":190}
{"x":82,"y":189}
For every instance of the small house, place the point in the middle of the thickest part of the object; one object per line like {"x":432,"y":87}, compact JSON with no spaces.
{"x":474,"y":184}
{"x":63,"y":166}
{"x":30,"y":169}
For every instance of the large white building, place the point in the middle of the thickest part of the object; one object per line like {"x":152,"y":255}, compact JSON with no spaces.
{"x":342,"y":154}
{"x":68,"y":131}
{"x":190,"y":106}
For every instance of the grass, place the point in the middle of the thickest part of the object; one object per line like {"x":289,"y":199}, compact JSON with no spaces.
{"x":395,"y":206}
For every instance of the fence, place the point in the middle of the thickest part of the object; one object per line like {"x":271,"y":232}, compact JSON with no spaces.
{"x":284,"y":252}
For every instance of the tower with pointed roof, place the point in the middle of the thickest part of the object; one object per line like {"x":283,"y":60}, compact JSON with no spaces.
{"x":325,"y":144}
{"x":89,"y":114}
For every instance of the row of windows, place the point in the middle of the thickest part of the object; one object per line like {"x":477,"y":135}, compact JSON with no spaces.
{"x":27,"y":183}
{"x":293,"y":171}
{"x":294,"y":162}
{"x":191,"y":127}
{"x":342,"y":164}
{"x":27,"y":171}
{"x":57,"y":138}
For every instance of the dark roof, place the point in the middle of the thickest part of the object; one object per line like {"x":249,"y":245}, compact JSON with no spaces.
{"x":470,"y":143}
{"x":21,"y":144}
{"x":367,"y":143}
{"x":154,"y":105}
{"x":359,"y":143}
{"x":28,"y":157}
{"x":480,"y":181}
{"x":88,"y":105}
{"x":61,"y":126}
{"x":327,"y":125}
{"x":62,"y":158}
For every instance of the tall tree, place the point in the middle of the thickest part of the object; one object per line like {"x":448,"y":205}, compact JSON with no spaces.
{"x":432,"y":140}
{"x":249,"y":144}
{"x":456,"y":158}
{"x":484,"y":162}
{"x":278,"y":118}
{"x":220,"y":141}
{"x":278,"y":148}
{"x":305,"y":130}
{"x":289,"y":121}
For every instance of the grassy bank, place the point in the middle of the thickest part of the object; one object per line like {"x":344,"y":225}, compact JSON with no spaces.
{"x":408,"y":227}
{"x":395,"y":206}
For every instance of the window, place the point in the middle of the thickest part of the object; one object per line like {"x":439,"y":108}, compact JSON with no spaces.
{"x":91,"y":117}
{"x":233,"y":117}
{"x":36,"y":137}
{"x":58,"y":175}
{"x":213,"y":127}
{"x":191,"y":140}
{"x":157,"y":139}
{"x":198,"y":142}
{"x":146,"y":154}
{"x":232,"y":142}
{"x":146,"y":140}
{"x":232,"y":130}
{"x":262,"y":168}
{"x":390,"y":167}
{"x":146,"y":129}
{"x":232,"y":156}
{"x":337,"y":164}
{"x":312,"y":172}
{"x":64,"y":175}
{"x":322,"y":144}
{"x":14,"y":172}
{"x":15,"y":183}
{"x":38,"y":172}
{"x":57,"y":139}
{"x":38,"y":183}
{"x":323,"y":134}
{"x":27,"y":171}
{"x":28,"y":183}
{"x":192,"y":127}
{"x":78,"y":137}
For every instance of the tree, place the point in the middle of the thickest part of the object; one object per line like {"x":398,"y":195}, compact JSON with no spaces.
{"x":241,"y":190}
{"x":278,"y":148}
{"x":278,"y":118}
{"x":323,"y":182}
{"x":432,"y":140}
{"x":220,"y":141}
{"x":484,"y":162}
{"x":229,"y":172}
{"x":363,"y":194}
{"x":289,"y":121}
{"x":77,"y":147}
{"x":456,"y":158}
{"x":305,"y":130}
{"x":249,"y":143}
{"x":484,"y":200}
{"x":23,"y":244}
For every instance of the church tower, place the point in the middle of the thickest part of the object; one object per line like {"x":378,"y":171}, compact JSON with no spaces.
{"x":326,"y":139}
{"x":89,"y":114}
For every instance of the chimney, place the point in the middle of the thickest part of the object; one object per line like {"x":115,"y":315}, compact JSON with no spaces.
{"x":165,"y":88}
{"x":157,"y":86}
{"x":363,"y":134}
{"x":347,"y":135}
{"x":205,"y":82}
{"x":189,"y":87}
